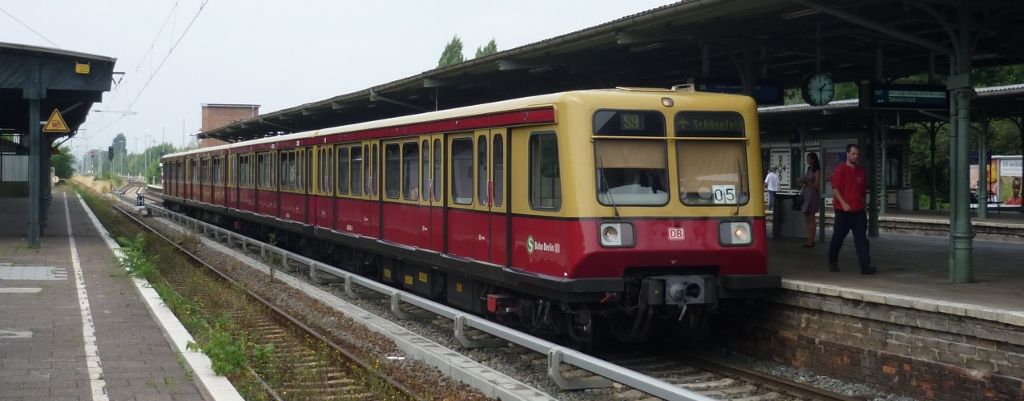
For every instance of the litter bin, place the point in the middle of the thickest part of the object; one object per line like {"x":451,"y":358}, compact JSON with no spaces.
{"x":786,"y":222}
{"x":139,"y":201}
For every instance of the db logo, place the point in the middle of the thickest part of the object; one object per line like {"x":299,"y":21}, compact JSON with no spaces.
{"x":675,"y":234}
{"x":860,"y":180}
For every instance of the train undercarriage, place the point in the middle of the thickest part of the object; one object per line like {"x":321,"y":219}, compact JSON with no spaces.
{"x":651,"y":307}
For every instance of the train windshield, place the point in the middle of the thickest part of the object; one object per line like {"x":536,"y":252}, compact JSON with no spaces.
{"x":711,"y":171}
{"x":631,"y":172}
{"x":632,"y":167}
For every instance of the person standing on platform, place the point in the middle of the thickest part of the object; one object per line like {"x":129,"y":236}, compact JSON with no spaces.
{"x":811,"y":194}
{"x":850,"y":185}
{"x":771,"y":183}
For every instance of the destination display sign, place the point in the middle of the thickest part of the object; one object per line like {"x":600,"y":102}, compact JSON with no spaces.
{"x":905,"y":96}
{"x":766,"y":92}
{"x":709,"y":124}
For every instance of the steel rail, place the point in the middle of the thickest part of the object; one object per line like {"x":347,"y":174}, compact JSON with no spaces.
{"x":800,"y":390}
{"x":308,"y":330}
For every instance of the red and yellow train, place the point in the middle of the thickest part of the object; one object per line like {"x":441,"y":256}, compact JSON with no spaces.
{"x":632,"y":208}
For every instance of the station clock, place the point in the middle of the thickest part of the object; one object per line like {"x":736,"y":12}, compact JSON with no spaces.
{"x":818,"y":89}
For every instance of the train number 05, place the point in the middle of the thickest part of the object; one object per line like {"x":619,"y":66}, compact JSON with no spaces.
{"x":724,"y":193}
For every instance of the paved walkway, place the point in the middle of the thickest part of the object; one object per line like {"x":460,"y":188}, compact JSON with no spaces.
{"x":913,"y":269}
{"x":76,"y":329}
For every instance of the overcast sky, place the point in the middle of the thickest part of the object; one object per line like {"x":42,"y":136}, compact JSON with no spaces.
{"x":276,"y":54}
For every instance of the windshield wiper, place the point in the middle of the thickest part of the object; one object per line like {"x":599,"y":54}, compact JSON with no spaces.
{"x":607,"y":189}
{"x":739,"y":170}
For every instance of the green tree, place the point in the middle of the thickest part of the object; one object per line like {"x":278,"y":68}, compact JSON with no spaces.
{"x":452,"y":53}
{"x":64,"y":163}
{"x":490,"y":49}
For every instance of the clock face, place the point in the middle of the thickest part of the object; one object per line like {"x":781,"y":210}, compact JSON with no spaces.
{"x":818,"y":90}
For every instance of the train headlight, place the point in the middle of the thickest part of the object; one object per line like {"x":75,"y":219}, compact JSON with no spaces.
{"x":617,"y":235}
{"x":735,"y":233}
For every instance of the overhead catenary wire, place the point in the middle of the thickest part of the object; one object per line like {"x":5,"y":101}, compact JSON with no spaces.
{"x":30,"y":28}
{"x":137,"y":70}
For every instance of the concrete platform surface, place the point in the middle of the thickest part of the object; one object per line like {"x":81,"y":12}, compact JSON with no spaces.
{"x":73,"y":326}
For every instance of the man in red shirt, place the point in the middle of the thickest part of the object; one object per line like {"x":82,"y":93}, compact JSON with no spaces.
{"x":849,"y":184}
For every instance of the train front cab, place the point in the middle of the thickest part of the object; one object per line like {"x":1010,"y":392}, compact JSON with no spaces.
{"x":644,"y":202}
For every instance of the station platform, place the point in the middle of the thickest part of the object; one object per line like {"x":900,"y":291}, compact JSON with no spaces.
{"x":73,"y":326}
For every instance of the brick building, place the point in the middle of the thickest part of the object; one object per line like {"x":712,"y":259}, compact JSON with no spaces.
{"x":219,"y":115}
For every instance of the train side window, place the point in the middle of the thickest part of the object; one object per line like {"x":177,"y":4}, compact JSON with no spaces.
{"x":327,"y":169}
{"x":217,"y":172}
{"x":462,"y":171}
{"x":499,"y":170}
{"x":481,"y":170}
{"x":425,"y":169}
{"x":392,"y":170}
{"x":343,"y":171}
{"x":410,"y":171}
{"x":436,"y":189}
{"x":357,"y":170}
{"x":545,"y":177}
{"x":375,"y":179}
{"x":287,"y":170}
{"x":260,"y":174}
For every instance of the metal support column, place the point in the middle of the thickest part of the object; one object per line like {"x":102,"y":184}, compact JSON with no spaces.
{"x":983,"y":169}
{"x":35,"y":193}
{"x":869,"y":155}
{"x":952,"y":177}
{"x":963,"y":238}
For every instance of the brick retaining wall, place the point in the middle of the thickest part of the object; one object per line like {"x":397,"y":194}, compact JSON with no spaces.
{"x":920,"y":354}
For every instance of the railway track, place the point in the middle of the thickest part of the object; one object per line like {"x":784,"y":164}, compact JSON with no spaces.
{"x":702,"y":377}
{"x":314,"y":366}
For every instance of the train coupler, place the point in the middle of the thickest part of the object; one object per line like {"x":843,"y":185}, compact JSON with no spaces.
{"x":681,"y":290}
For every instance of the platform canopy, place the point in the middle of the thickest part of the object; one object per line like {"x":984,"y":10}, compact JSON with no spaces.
{"x":780,"y":40}
{"x":63,"y":80}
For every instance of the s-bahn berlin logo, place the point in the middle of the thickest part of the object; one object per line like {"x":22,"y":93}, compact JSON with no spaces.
{"x":532,"y":245}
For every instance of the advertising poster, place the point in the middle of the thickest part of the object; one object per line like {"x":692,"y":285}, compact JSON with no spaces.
{"x":1010,"y":181}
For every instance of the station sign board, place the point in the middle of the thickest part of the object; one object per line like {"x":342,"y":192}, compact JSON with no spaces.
{"x":905,"y":96}
{"x":766,"y":92}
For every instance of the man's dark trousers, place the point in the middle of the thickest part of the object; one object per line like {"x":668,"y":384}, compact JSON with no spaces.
{"x":844,"y":222}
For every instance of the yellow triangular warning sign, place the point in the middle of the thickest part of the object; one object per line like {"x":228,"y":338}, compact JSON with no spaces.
{"x":56,"y":123}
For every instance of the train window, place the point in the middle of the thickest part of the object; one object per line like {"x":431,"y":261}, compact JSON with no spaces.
{"x":629,"y":123}
{"x":545,"y":178}
{"x":288,"y":177}
{"x":343,"y":171}
{"x":709,"y":124}
{"x":260,"y":173}
{"x":217,"y":179}
{"x":267,"y":176}
{"x":357,"y":170}
{"x":712,"y":173}
{"x":392,"y":171}
{"x":499,"y":171}
{"x":410,"y":171}
{"x":436,"y":189}
{"x":481,"y":170}
{"x":631,"y":172}
{"x":326,"y":171}
{"x":375,"y":179}
{"x":243,"y":171}
{"x":462,"y":171}
{"x":425,"y":179}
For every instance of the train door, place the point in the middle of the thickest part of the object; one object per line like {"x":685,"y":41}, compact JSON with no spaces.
{"x":461,"y":233}
{"x":369,"y":206}
{"x":423,"y":201}
{"x":436,"y":193}
{"x":489,"y":217}
{"x":307,"y":190}
{"x":323,"y":201}
{"x":498,"y":217}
